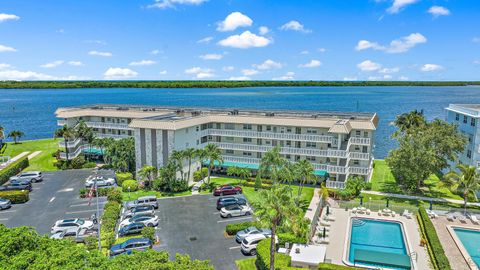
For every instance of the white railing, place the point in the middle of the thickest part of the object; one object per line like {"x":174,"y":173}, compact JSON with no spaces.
{"x":61,"y":122}
{"x":359,"y":141}
{"x":336,"y":169}
{"x":359,"y":170}
{"x":269,"y":135}
{"x":114,"y":136}
{"x":108,"y":125}
{"x":335,"y":184}
{"x":71,"y":144}
{"x":72,"y":155}
{"x":359,"y":155}
{"x":247,"y":160}
{"x":317,"y":166}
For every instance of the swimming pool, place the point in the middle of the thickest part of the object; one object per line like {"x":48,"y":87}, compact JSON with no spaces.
{"x":378,"y":243}
{"x":470,"y":239}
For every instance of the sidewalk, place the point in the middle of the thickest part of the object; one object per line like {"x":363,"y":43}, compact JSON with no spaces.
{"x":410,"y":197}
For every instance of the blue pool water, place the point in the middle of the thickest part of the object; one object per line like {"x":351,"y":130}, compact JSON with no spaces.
{"x":381,"y":240}
{"x":471,"y":241}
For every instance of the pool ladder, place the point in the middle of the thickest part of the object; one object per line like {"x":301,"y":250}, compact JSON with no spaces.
{"x":413,"y":256}
{"x":357,"y":222}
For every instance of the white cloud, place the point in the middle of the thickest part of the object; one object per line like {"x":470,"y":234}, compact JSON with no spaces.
{"x":163,"y":72}
{"x":4,"y":48}
{"x":350,"y":78}
{"x":162,"y":4}
{"x":249,"y":72}
{"x":96,"y":41}
{"x":143,"y":63}
{"x":119,"y":73}
{"x":239,"y":78}
{"x":287,"y":77}
{"x":155,"y":52}
{"x":268,"y":64}
{"x":295,"y":26}
{"x":389,"y":70}
{"x":304,"y":52}
{"x":263,"y":30}
{"x":437,"y":11}
{"x":233,"y":21}
{"x":312,"y":64}
{"x":322,"y":50}
{"x":380,"y":78}
{"x":431,"y":67}
{"x":228,"y":68}
{"x":8,"y":17}
{"x":97,"y":53}
{"x":205,"y":40}
{"x":403,"y":78}
{"x":52,"y":64}
{"x":75,"y":63}
{"x":396,"y":46}
{"x":398,"y":5}
{"x":476,"y":39}
{"x":211,"y":56}
{"x":476,"y":62}
{"x":244,"y":41}
{"x":200,"y":73}
{"x":23,"y":75}
{"x":368,"y":65}
{"x":4,"y":66}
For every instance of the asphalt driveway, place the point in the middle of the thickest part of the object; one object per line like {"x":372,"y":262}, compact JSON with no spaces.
{"x":192,"y":225}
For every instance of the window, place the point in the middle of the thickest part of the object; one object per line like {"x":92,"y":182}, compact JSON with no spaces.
{"x":289,"y":129}
{"x":247,"y":154}
{"x":472,"y":122}
{"x":269,"y":128}
{"x":287,"y":156}
{"x":268,"y":142}
{"x":357,"y":147}
{"x":465,"y":118}
{"x":311,"y":158}
{"x":311,"y":131}
{"x":357,"y":132}
{"x":365,"y":134}
{"x":229,"y":126}
{"x":218,"y":126}
{"x":311,"y":145}
{"x":210,"y":125}
{"x":247,"y":140}
{"x":229,"y":139}
{"x":288,"y":143}
{"x":247,"y":126}
{"x":457,"y":116}
{"x":469,"y":153}
{"x":197,"y":128}
{"x":229,"y":151}
{"x":355,"y":162}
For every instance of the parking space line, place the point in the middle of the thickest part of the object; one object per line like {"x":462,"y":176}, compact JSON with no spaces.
{"x":86,"y":204}
{"x":7,"y":211}
{"x":236,"y":247}
{"x":83,"y":211}
{"x":3,"y":219}
{"x":65,"y":190}
{"x":233,"y":219}
{"x":52,"y":199}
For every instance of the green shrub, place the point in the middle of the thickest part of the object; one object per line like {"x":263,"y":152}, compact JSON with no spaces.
{"x":232,"y":229}
{"x":111,"y":211}
{"x":114,"y":195}
{"x":132,"y":184}
{"x":77,"y":162}
{"x":122,"y":177}
{"x":200,"y":174}
{"x":329,"y":266}
{"x":437,"y":254}
{"x":258,"y":183}
{"x":15,"y":196}
{"x":13,"y":169}
{"x":282,"y":261}
{"x":290,"y":238}
{"x":89,"y":165}
{"x":102,"y":192}
{"x":149,"y":232}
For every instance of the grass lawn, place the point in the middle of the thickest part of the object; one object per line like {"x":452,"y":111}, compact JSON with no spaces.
{"x":42,"y":162}
{"x":246,"y":264}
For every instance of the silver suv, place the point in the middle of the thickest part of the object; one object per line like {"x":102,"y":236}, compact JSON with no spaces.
{"x":145,"y":200}
{"x":34,"y":176}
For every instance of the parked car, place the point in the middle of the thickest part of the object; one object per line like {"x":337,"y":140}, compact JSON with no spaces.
{"x":101,"y":181}
{"x":227,"y":190}
{"x":131,"y":229}
{"x":34,"y":176}
{"x":139,"y":210}
{"x":130,"y":245}
{"x":251,"y":231}
{"x":147,"y":220}
{"x":20,"y":182}
{"x":226,"y":201}
{"x":76,"y":234}
{"x":235,"y":210}
{"x":63,"y":224}
{"x":145,"y":200}
{"x":5,"y":204}
{"x":249,"y":244}
{"x":16,"y":186}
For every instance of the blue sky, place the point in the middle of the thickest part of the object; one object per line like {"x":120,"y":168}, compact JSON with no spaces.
{"x":240,"y":39}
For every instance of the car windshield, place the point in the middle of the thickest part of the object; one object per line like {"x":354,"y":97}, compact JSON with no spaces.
{"x":80,"y":221}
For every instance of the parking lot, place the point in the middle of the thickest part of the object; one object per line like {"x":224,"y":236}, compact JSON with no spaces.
{"x":192,"y":225}
{"x":56,"y":197}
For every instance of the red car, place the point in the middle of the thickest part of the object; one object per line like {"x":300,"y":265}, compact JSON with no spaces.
{"x":227,"y":190}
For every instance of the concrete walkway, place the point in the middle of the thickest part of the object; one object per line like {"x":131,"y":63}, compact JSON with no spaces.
{"x":34,"y":154}
{"x":409,"y":197}
{"x":313,"y":204}
{"x":19,"y":156}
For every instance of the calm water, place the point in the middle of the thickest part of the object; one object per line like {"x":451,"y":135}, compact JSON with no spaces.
{"x":470,"y":240}
{"x":32,"y":111}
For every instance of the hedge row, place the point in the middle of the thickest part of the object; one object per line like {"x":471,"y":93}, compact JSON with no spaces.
{"x":437,"y":254}
{"x":13,"y":169}
{"x":232,"y":229}
{"x":290,"y":238}
{"x":102,"y":192}
{"x":282,"y":261}
{"x":15,"y":196}
{"x":111,"y":212}
{"x":122,"y":177}
{"x":329,"y":266}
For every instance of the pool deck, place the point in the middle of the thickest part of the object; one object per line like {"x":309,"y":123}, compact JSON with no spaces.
{"x":451,"y":248}
{"x":339,"y":228}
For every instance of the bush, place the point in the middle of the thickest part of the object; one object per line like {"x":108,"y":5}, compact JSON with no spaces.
{"x":200,"y":174}
{"x":13,"y":169}
{"x":282,"y":261}
{"x":290,"y":238}
{"x":77,"y":162}
{"x":435,"y":249}
{"x":368,"y":186}
{"x":122,"y":177}
{"x":111,"y":211}
{"x":258,"y":183}
{"x":15,"y":196}
{"x":149,"y":232}
{"x":89,"y":165}
{"x":329,"y":266}
{"x":232,"y":229}
{"x":114,"y":195}
{"x":132,"y":184}
{"x":102,"y":192}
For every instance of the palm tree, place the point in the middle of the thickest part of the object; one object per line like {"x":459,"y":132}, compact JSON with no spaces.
{"x":406,"y":121}
{"x":244,"y":173}
{"x":274,"y":207}
{"x":304,"y":171}
{"x":177,"y":158}
{"x":149,"y":173}
{"x":67,"y":133}
{"x":233,"y":171}
{"x":15,"y":135}
{"x":467,"y":180}
{"x":85,"y":133}
{"x":212,"y":154}
{"x":272,"y":164}
{"x":190,"y":154}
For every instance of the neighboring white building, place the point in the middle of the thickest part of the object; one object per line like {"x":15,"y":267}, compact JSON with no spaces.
{"x":338,"y":144}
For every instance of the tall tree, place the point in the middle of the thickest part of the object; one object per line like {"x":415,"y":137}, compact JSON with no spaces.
{"x":15,"y":135}
{"x":244,"y":173}
{"x":304,"y":172}
{"x":85,"y":133}
{"x":212,"y":154}
{"x":190,"y":154}
{"x":466,"y":180}
{"x":120,"y":154}
{"x":178,"y":158}
{"x":406,"y":122}
{"x":67,"y":133}
{"x":148,"y":173}
{"x":271,"y":164}
{"x":273,"y":209}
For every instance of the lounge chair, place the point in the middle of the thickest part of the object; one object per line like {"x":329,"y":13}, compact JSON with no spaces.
{"x":462,"y":219}
{"x":474,"y":219}
{"x":393,"y":214}
{"x":379,"y":212}
{"x":330,"y":218}
{"x":325,"y":240}
{"x":367,"y":212}
{"x":354,"y":210}
{"x":407,"y":214}
{"x":431,"y":214}
{"x":450,"y":217}
{"x":325,"y":223}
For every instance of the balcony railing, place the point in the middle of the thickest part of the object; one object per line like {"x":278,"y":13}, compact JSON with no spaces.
{"x":358,"y":170}
{"x":72,"y":155}
{"x":335,"y":184}
{"x":270,"y":135}
{"x":247,"y":160}
{"x":61,"y":122}
{"x":359,"y":141}
{"x":114,"y":136}
{"x":108,"y":125}
{"x":359,"y":155}
{"x":70,"y":144}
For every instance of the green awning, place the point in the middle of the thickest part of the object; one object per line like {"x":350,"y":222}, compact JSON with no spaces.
{"x":234,"y":164}
{"x":321,"y":173}
{"x":93,"y":151}
{"x":387,"y":259}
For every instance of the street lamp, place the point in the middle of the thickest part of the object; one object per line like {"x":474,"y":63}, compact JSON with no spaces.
{"x":98,"y":209}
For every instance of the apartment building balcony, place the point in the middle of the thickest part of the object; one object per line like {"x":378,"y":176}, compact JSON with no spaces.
{"x":70,"y":144}
{"x":74,"y":154}
{"x":359,"y":155}
{"x":270,"y":135}
{"x":61,"y":122}
{"x":114,"y":136}
{"x":359,"y":141}
{"x":108,"y":125}
{"x":335,"y":184}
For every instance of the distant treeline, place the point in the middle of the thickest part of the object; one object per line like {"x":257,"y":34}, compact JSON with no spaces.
{"x":216,"y":84}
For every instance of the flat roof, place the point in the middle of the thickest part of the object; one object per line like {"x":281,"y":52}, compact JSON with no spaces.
{"x":468,"y":109}
{"x":307,"y":254}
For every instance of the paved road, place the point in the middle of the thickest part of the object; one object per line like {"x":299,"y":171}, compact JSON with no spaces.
{"x":56,"y":197}
{"x":192,"y":225}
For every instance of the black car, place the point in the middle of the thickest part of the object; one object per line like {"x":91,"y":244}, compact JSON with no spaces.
{"x":131,"y":229}
{"x":16,"y":186}
{"x":131,"y":244}
{"x":226,"y":201}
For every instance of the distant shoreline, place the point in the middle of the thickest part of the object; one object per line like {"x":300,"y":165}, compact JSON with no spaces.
{"x":217,"y":84}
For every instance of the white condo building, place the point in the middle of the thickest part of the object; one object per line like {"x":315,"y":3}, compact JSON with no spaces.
{"x":339,"y":145}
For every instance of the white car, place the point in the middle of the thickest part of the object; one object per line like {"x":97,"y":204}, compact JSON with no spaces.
{"x":147,"y":220}
{"x":236,"y":210}
{"x":64,"y":224}
{"x":101,"y":181}
{"x":249,"y":244}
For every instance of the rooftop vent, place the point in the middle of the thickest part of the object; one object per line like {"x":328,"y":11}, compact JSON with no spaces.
{"x":122,"y":108}
{"x":269,"y":114}
{"x":234,"y":112}
{"x":180,"y":112}
{"x":196,"y":113}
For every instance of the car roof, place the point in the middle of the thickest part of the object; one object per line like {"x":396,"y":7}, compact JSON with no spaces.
{"x":67,"y":220}
{"x":254,"y":237}
{"x":137,"y":240}
{"x":147,"y":197}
